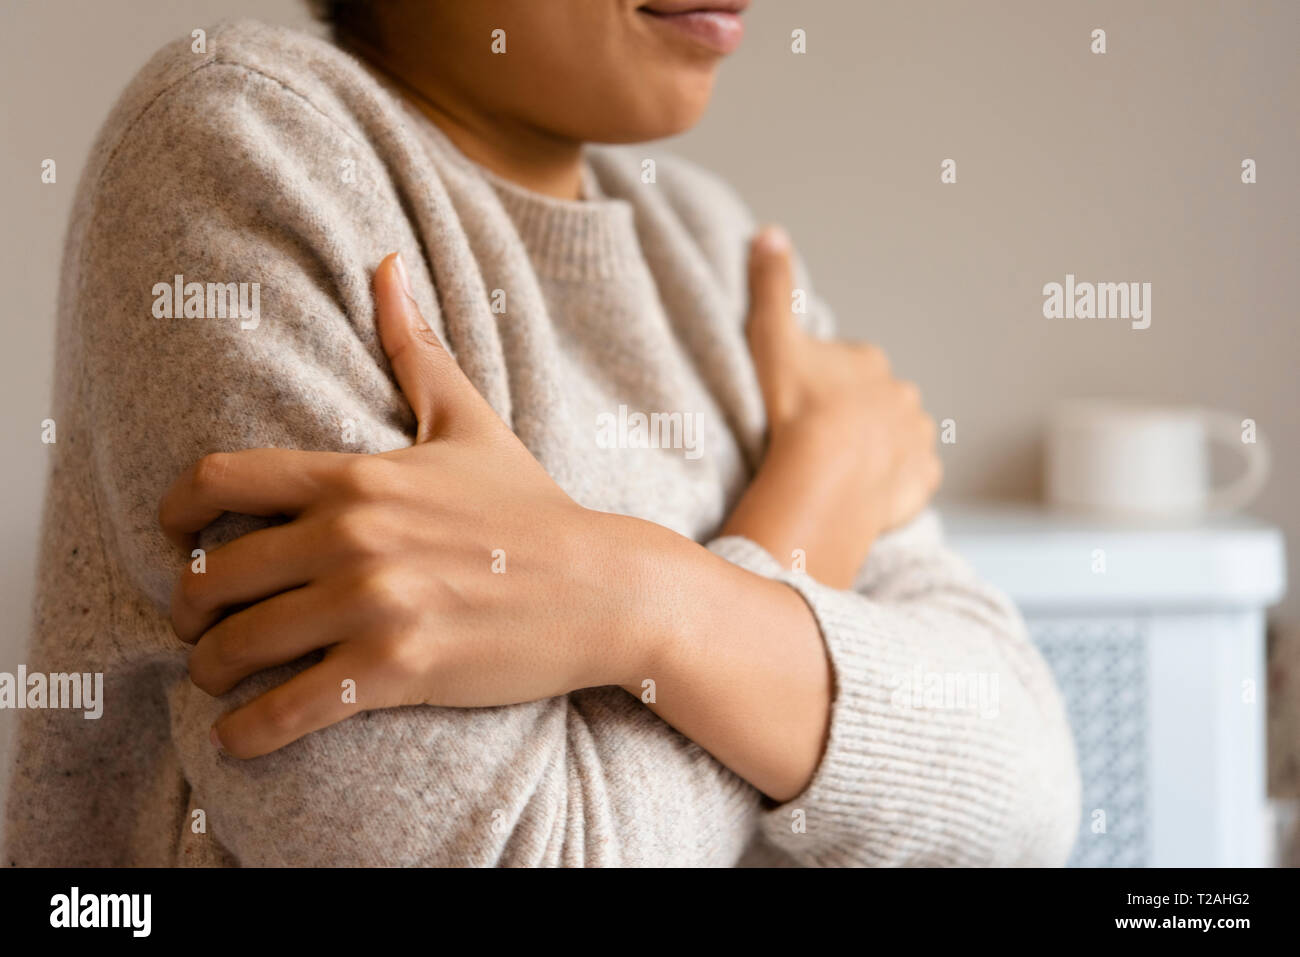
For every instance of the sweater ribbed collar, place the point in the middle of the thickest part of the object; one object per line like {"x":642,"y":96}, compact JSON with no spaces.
{"x":590,"y":238}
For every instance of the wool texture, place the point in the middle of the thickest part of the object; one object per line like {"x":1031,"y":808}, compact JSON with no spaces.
{"x":274,"y":158}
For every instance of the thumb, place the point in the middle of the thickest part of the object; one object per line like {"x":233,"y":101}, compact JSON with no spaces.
{"x":427,"y":375}
{"x":771,"y":328}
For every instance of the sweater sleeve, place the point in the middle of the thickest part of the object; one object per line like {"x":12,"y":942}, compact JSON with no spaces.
{"x":230,"y":177}
{"x":948,"y":740}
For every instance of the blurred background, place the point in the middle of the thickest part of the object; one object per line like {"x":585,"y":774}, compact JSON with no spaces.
{"x":1122,"y":166}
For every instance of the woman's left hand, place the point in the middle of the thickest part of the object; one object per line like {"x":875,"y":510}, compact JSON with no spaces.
{"x":454,"y":572}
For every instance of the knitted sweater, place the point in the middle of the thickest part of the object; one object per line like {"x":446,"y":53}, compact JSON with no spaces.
{"x":275,"y":159}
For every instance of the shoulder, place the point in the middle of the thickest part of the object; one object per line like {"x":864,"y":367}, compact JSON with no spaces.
{"x":258,"y":138}
{"x":256,"y":157}
{"x":236,"y":82}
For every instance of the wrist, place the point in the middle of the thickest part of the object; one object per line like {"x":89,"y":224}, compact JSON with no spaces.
{"x":672,"y":590}
{"x":636,"y":585}
{"x":737,"y":659}
{"x":688,"y":594}
{"x":808,"y":500}
{"x":741,"y":657}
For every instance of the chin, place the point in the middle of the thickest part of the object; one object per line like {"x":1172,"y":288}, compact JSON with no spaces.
{"x":657,"y":129}
{"x":656,"y":117}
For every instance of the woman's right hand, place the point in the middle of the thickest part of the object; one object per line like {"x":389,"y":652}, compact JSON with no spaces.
{"x":851,"y":453}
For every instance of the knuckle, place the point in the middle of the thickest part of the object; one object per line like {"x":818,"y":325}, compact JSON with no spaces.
{"x":192,"y":589}
{"x":356,"y":475}
{"x":427,"y":339}
{"x":871,"y":358}
{"x":871,"y":352}
{"x":382,"y":592}
{"x":401,"y":654}
{"x":367,"y":477}
{"x":352,"y":531}
{"x":281,"y":715}
{"x":213,"y":661}
{"x":209,"y":471}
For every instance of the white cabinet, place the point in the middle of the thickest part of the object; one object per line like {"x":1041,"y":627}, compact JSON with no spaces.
{"x":1156,"y":637}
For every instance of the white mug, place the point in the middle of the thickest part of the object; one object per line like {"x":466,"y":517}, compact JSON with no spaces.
{"x":1135,"y":459}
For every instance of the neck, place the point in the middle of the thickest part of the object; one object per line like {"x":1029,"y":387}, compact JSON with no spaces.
{"x":525,"y":155}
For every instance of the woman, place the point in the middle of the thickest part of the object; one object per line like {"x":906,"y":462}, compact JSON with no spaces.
{"x":455,"y":610}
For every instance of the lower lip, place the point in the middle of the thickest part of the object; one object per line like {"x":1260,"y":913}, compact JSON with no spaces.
{"x":720,"y":32}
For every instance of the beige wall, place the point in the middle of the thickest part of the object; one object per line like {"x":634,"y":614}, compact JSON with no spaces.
{"x":1116,"y":167}
{"x":1123,"y":166}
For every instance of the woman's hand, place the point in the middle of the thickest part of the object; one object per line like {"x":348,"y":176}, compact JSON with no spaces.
{"x":850,"y":450}
{"x":454,"y":572}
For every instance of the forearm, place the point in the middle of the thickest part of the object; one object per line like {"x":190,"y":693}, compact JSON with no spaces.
{"x":737,"y":661}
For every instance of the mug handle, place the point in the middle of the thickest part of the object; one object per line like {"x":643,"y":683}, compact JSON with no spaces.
{"x":1237,"y":494}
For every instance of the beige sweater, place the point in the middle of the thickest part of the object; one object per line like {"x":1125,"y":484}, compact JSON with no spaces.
{"x":275,"y":159}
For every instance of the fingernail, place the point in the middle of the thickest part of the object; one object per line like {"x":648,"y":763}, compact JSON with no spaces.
{"x":402,"y":275}
{"x":215,"y":738}
{"x":774,"y":239}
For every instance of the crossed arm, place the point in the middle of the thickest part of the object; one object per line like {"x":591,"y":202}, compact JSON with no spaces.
{"x":385,"y":561}
{"x":592,"y":777}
